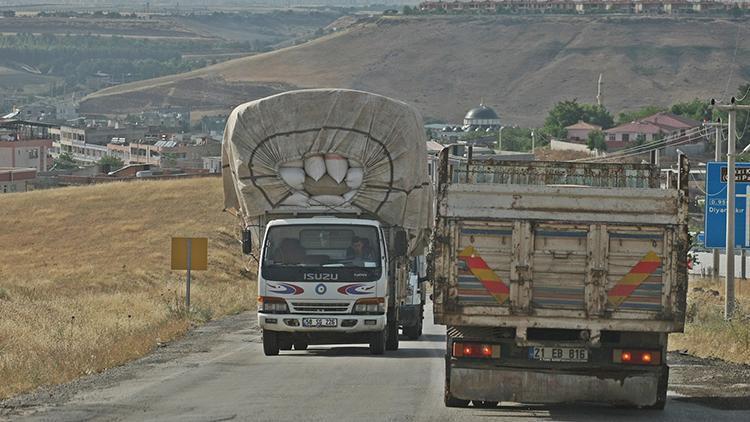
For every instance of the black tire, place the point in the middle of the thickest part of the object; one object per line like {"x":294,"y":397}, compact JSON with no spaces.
{"x":414,"y":332}
{"x":391,"y":338}
{"x":300,"y":344}
{"x":485,"y":404}
{"x":285,"y":341}
{"x":270,"y":343}
{"x":451,"y":401}
{"x":661,"y":392}
{"x":377,"y":343}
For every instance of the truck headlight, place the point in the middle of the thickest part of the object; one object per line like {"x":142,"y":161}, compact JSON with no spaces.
{"x":371,"y":306}
{"x":272,"y":305}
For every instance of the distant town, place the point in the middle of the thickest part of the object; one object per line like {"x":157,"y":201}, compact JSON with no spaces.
{"x":585,"y":6}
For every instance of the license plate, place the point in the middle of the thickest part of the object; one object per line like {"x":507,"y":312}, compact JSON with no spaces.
{"x":559,"y":354}
{"x":319,"y":322}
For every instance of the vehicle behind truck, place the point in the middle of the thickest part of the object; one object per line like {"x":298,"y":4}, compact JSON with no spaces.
{"x":558,"y":282}
{"x":334,"y":183}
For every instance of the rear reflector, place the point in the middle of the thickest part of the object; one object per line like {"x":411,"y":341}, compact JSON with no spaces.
{"x":636,"y":357}
{"x":476,"y":350}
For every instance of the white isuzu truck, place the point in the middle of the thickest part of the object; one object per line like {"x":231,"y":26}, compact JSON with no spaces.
{"x":334,"y":183}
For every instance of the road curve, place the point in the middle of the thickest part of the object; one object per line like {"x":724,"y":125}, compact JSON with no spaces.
{"x":219,"y":373}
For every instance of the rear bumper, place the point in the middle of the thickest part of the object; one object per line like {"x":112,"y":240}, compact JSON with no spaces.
{"x":284,"y":323}
{"x":526,"y":385}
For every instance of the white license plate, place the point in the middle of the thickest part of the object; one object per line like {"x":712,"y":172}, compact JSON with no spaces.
{"x":319,"y":322}
{"x":559,"y":354}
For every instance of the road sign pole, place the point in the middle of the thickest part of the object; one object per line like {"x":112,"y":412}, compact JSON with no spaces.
{"x":717,"y":157}
{"x":189,"y":258}
{"x":729,"y":284}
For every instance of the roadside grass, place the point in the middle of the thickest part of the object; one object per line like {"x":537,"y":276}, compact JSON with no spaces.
{"x":85,"y":282}
{"x":707,"y":334}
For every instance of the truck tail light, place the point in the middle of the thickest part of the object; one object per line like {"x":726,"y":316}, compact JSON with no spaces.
{"x":272,"y":305}
{"x":636,"y":356}
{"x":370,"y":306}
{"x":476,"y":350}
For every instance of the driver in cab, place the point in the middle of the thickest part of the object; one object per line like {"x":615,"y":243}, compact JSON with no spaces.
{"x":360,"y":251}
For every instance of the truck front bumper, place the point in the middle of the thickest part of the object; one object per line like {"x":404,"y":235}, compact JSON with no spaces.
{"x":293,"y":323}
{"x":526,"y":385}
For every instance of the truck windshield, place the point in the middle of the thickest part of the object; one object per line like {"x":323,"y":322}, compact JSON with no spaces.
{"x":327,"y":246}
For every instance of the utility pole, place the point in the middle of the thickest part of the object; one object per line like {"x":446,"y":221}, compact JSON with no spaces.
{"x":532,"y":141}
{"x":717,"y":157}
{"x":731,"y":108}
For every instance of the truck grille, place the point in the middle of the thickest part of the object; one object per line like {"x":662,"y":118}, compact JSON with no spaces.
{"x":320,"y":308}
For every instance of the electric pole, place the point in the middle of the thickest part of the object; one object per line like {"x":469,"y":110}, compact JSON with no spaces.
{"x":717,"y":157}
{"x":731,"y":108}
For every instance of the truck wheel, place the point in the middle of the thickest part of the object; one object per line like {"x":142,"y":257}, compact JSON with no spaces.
{"x":391,"y":339}
{"x":285,"y":341}
{"x":485,"y":404}
{"x":270,"y":343}
{"x":451,"y":401}
{"x":661,"y":392}
{"x":377,"y":343}
{"x":413,"y":332}
{"x":300,"y":344}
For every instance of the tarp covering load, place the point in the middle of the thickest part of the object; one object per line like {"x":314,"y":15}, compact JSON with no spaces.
{"x":342,"y":151}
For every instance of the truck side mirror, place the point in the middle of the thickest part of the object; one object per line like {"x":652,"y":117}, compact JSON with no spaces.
{"x":400,"y":243}
{"x":247,"y":242}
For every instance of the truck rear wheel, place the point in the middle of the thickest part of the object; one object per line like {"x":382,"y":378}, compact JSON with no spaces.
{"x":413,"y":332}
{"x":451,"y":401}
{"x":377,"y":343}
{"x":270,"y":343}
{"x":391,"y":340}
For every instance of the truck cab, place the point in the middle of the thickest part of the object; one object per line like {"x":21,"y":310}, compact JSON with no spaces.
{"x":324,"y":280}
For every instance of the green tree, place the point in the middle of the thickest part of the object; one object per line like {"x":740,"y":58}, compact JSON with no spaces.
{"x":630,"y":116}
{"x":598,"y":115}
{"x":597,"y":141}
{"x":109,"y":163}
{"x":65,"y":161}
{"x":568,"y":112}
{"x":696,"y":109}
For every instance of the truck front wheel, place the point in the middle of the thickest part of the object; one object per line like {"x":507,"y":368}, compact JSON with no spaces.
{"x":270,"y":343}
{"x":377,"y":343}
{"x":391,"y":341}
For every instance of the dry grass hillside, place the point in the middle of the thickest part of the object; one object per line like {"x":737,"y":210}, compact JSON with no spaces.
{"x":85,"y":282}
{"x":446,"y":65}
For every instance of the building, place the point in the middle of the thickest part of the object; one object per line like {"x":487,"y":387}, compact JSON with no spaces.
{"x":16,"y":179}
{"x":32,"y":153}
{"x":166,"y":153}
{"x":212,"y":164}
{"x":482,"y":117}
{"x":579,"y":132}
{"x":651,"y":128}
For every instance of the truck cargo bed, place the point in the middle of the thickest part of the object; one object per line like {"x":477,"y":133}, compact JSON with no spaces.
{"x":559,"y":245}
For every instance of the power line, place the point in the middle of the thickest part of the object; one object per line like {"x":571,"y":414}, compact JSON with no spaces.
{"x":685,"y":141}
{"x":746,"y":92}
{"x":653,"y":145}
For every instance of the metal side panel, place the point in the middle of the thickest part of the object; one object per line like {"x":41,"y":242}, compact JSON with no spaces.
{"x":484,"y":260}
{"x":635,"y":280}
{"x":570,"y":204}
{"x":559,"y":266}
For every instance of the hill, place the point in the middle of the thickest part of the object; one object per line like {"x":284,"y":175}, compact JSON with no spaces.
{"x":85,"y":282}
{"x":446,"y":65}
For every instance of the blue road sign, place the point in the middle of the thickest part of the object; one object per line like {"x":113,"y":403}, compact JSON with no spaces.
{"x":716,"y":205}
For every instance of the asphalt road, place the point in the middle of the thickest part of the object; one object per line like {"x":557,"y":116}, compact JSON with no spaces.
{"x":219,"y":373}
